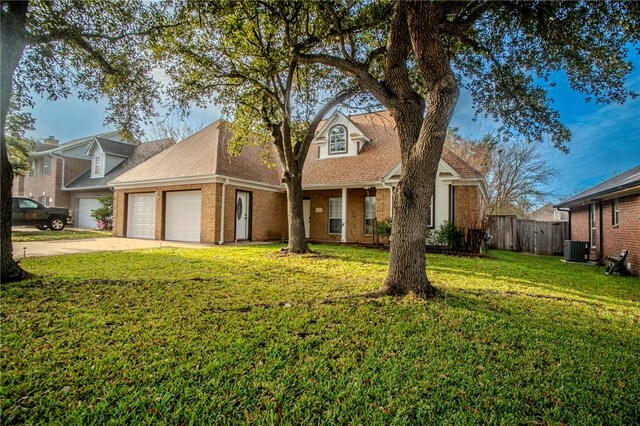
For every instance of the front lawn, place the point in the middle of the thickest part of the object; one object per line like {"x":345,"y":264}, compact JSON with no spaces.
{"x":48,"y":235}
{"x":239,"y":335}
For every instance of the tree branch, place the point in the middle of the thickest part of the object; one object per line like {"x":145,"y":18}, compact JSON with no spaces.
{"x":302,"y":149}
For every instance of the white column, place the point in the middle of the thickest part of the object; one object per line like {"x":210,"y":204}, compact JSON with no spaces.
{"x":391,"y":202}
{"x":343,"y":238}
{"x":224,"y":190}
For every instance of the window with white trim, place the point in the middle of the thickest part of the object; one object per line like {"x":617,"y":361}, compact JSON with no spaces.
{"x":335,"y":215}
{"x":46,"y":166}
{"x":369,"y":214}
{"x":615,"y":214}
{"x":338,"y":140}
{"x":592,"y":225}
{"x":97,"y":169}
{"x":32,"y":170}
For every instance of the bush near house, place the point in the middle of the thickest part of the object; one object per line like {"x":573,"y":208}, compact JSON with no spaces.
{"x":104,"y":214}
{"x":230,"y":335}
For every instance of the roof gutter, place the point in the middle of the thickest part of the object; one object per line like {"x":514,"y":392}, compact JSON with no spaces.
{"x":595,"y":196}
{"x":224,"y":191}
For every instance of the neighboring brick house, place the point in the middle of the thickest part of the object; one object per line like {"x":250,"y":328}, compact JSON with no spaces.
{"x":608,"y":217}
{"x":197,"y":191}
{"x":76,"y":173}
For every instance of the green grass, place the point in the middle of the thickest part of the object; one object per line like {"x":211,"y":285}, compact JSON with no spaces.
{"x":239,"y":335}
{"x":48,"y":235}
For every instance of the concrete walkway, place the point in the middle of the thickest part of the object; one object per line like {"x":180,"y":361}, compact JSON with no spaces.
{"x":54,"y":248}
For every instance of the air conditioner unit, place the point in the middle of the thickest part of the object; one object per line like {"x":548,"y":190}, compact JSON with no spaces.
{"x":576,"y":251}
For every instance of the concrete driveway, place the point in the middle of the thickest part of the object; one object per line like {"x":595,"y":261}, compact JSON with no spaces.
{"x":54,"y":248}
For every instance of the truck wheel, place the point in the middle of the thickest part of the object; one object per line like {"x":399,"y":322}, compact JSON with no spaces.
{"x":57,"y":224}
{"x":42,"y":227}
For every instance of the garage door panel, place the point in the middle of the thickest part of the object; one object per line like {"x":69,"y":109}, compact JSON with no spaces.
{"x":141,"y":217}
{"x":84,"y":209}
{"x":182,"y":216}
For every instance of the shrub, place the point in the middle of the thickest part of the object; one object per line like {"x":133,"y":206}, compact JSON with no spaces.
{"x":449,"y":236}
{"x":104,"y":213}
{"x":383,"y":229}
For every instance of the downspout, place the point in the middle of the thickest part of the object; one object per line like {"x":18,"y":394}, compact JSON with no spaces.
{"x":568,"y":210}
{"x":224,"y":190}
{"x":601,"y":233}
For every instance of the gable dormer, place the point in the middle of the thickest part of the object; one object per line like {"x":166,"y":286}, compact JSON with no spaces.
{"x":339,"y":137}
{"x":106,"y":154}
{"x":97,"y":162}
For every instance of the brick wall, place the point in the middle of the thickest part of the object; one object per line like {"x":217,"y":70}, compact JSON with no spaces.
{"x":383,"y":204}
{"x":269,"y":210}
{"x":74,"y":167}
{"x":581,"y":227}
{"x":319,"y":229}
{"x":625,"y":235}
{"x":51,"y":184}
{"x":468,"y":207}
{"x":268,"y":214}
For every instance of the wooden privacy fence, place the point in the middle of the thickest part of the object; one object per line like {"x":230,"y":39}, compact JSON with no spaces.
{"x":512,"y":233}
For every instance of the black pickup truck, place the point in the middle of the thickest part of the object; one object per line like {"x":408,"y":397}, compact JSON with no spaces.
{"x":28,"y":212}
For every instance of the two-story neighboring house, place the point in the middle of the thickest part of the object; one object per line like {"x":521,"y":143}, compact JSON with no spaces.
{"x":197,"y":191}
{"x":76,"y":173}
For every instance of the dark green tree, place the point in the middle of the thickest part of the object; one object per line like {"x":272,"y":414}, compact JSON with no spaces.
{"x":240,"y":55}
{"x":56,"y":49}
{"x":413,"y":56}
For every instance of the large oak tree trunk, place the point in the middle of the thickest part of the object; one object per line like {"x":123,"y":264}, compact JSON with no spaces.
{"x":13,"y":24}
{"x":295,"y":215}
{"x":421,"y":142}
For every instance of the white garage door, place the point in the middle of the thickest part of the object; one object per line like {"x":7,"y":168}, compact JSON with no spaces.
{"x":83,"y":212}
{"x":182,"y":216}
{"x":141,"y":217}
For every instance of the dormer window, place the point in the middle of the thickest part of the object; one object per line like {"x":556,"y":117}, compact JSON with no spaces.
{"x":98,"y":166}
{"x":338,"y":140}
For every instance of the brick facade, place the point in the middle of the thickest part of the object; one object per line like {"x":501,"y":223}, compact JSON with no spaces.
{"x":269,"y":213}
{"x":37,"y":186}
{"x":468,"y":207}
{"x":319,"y":229}
{"x":615,"y":238}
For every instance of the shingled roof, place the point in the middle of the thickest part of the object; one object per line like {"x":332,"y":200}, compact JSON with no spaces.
{"x":205,"y":153}
{"x":626,"y":180}
{"x":140,"y":153}
{"x":376,"y":159}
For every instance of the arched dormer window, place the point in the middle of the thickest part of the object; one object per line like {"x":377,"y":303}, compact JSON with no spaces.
{"x":338,"y":140}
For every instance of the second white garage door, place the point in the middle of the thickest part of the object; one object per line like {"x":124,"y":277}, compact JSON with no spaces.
{"x":141,"y":218}
{"x":182,"y":218}
{"x":83,"y":216}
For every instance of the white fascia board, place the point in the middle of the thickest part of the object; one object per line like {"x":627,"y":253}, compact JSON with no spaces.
{"x":330,"y":122}
{"x":86,"y":188}
{"x":359,"y":185}
{"x":393,"y":172}
{"x":194,"y":180}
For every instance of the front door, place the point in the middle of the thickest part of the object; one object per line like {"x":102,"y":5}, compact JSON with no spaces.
{"x":306,"y":211}
{"x":242,"y":215}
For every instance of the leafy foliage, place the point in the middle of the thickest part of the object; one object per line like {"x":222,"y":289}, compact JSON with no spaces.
{"x":104,"y":213}
{"x":448,"y":235}
{"x":237,"y":335}
{"x":91,"y":49}
{"x":18,"y":151}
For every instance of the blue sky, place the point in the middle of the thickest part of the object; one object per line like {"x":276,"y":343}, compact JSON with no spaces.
{"x":606,"y":138}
